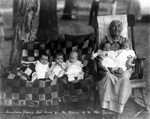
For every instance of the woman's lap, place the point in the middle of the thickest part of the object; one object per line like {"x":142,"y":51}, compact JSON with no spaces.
{"x":114,"y":90}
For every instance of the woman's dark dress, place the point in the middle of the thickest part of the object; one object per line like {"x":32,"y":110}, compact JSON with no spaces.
{"x":114,"y":88}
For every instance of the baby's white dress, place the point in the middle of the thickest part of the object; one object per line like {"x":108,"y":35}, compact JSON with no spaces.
{"x":74,"y":70}
{"x":55,"y":70}
{"x":122,"y":58}
{"x":41,"y":69}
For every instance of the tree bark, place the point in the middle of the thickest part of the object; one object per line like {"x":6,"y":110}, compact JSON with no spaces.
{"x":67,"y":12}
{"x":15,"y":12}
{"x":48,"y":26}
{"x":23,"y":30}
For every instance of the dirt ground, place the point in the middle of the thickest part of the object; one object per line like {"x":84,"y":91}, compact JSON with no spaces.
{"x":76,"y":27}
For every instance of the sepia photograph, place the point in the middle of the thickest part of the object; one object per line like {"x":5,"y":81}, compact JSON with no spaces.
{"x":74,"y":59}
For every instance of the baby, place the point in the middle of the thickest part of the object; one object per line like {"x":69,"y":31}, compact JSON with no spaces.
{"x":116,"y":60}
{"x":125,"y":57}
{"x":57,"y":68}
{"x":41,"y":67}
{"x":106,"y":56}
{"x":74,"y":67}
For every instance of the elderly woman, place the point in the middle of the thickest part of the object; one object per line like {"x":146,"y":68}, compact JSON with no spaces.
{"x":114,"y":88}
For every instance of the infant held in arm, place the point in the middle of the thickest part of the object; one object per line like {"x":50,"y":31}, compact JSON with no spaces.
{"x":108,"y":58}
{"x":120,"y":59}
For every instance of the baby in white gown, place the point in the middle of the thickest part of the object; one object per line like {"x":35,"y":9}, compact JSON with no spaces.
{"x":107,"y":56}
{"x":41,"y":67}
{"x":116,"y":59}
{"x":74,"y":67}
{"x":124,"y":58}
{"x":57,"y":68}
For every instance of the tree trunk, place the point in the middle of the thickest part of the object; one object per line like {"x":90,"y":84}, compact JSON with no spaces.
{"x":23,"y":30}
{"x":15,"y":12}
{"x":48,"y":26}
{"x":67,"y":13}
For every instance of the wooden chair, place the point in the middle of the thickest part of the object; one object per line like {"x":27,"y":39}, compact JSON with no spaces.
{"x":136,"y":79}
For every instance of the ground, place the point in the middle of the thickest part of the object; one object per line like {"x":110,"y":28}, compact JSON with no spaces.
{"x":76,"y":27}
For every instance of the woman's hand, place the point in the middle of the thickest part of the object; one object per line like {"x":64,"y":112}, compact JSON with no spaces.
{"x":129,"y":63}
